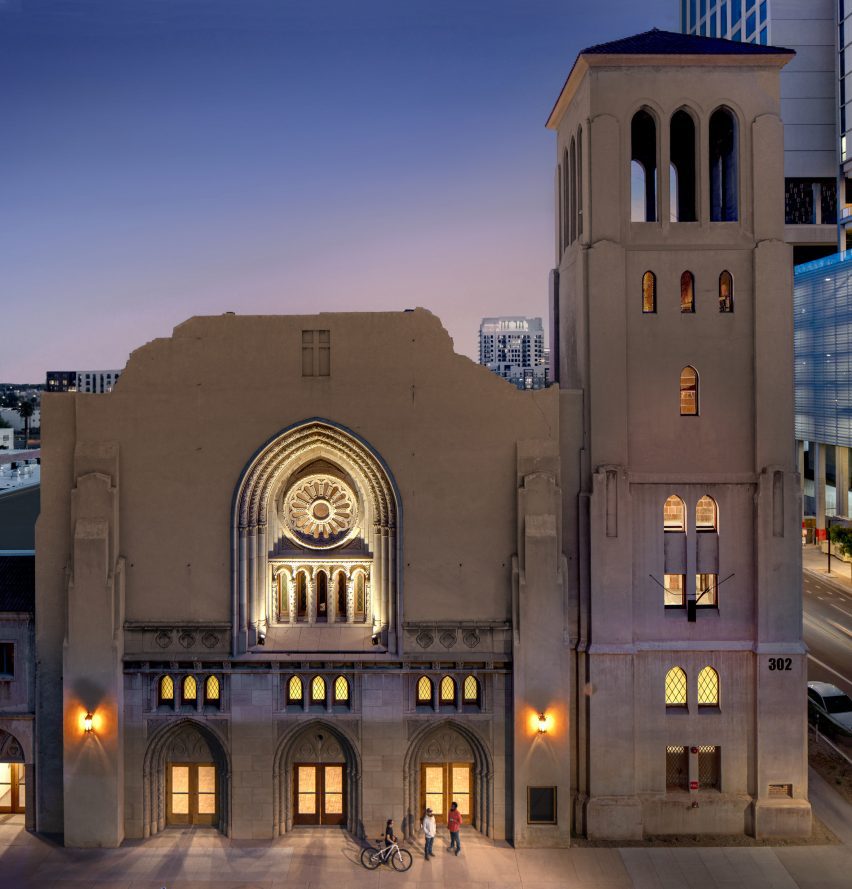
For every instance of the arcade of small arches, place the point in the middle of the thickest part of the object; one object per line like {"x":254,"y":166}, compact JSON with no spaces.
{"x":446,"y":692}
{"x":321,"y":592}
{"x":189,"y":691}
{"x":683,"y":183}
{"x":707,"y":688}
{"x":687,"y":293}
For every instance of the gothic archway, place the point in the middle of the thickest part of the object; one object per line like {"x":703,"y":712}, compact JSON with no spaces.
{"x":453,"y":742}
{"x":179,"y":742}
{"x":363,"y":479}
{"x":316,"y":741}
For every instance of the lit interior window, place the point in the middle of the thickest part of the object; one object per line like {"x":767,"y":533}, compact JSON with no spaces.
{"x":471,"y":690}
{"x":294,"y":689}
{"x":341,"y":690}
{"x":167,"y":689}
{"x":708,"y":688}
{"x":448,"y":690}
{"x":674,"y":514}
{"x":424,"y":690}
{"x":190,"y":688}
{"x":318,"y":689}
{"x":705,"y":514}
{"x":675,"y":688}
{"x":211,"y":688}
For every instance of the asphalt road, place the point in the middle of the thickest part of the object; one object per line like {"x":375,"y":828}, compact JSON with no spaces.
{"x":828,"y":632}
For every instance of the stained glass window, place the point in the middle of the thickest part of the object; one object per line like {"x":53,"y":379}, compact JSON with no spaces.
{"x":471,"y":690}
{"x":294,"y":690}
{"x":675,"y":688}
{"x":448,"y":690}
{"x":167,"y":689}
{"x":424,"y":690}
{"x":318,"y":689}
{"x":190,"y":688}
{"x":708,"y":688}
{"x":211,"y":689}
{"x":341,"y":690}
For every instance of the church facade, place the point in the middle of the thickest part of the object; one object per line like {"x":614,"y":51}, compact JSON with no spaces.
{"x":396,"y":581}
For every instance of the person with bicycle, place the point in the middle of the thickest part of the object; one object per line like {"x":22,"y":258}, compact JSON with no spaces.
{"x":390,"y":839}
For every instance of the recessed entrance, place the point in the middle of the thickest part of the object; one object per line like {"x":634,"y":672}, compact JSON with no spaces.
{"x":192,"y":797}
{"x":12,"y":787}
{"x":319,"y":793}
{"x":442,"y":783}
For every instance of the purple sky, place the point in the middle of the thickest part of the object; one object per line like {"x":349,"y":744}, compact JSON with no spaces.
{"x":167,"y":158}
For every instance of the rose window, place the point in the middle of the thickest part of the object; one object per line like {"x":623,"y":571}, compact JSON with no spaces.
{"x":320,"y":511}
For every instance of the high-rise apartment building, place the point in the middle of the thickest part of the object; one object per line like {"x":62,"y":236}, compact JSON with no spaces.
{"x":812,"y":105}
{"x":513,"y":348}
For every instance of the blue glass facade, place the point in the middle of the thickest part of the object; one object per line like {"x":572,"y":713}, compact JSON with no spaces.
{"x":822,"y":327}
{"x":733,"y":19}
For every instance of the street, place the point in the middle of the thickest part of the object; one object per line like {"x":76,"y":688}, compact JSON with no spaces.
{"x":828,"y":631}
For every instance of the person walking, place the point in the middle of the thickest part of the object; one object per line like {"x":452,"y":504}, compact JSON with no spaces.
{"x":454,"y":823}
{"x":429,"y":828}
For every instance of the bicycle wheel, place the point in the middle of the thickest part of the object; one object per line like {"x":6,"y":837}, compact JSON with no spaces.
{"x":401,"y":860}
{"x":370,"y":858}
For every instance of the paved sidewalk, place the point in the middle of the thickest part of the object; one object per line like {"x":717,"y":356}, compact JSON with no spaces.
{"x":814,"y":561}
{"x":329,"y":859}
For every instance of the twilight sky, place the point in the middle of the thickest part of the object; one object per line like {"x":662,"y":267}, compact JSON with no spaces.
{"x":167,"y":158}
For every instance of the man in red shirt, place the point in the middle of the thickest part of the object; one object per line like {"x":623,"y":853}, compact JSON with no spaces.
{"x":454,"y":823}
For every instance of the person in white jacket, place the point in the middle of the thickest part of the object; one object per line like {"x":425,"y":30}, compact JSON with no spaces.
{"x":429,"y":828}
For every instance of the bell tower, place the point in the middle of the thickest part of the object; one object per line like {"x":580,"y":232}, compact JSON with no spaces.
{"x":671,"y":319}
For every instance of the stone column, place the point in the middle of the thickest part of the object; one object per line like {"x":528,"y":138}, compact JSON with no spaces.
{"x":841,"y":476}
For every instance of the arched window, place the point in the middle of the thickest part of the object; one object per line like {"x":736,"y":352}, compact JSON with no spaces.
{"x":682,"y":170}
{"x":689,"y":392}
{"x":723,"y":167}
{"x":572,"y":187}
{"x":470,"y":690}
{"x":167,"y":690}
{"x":649,"y":293}
{"x":675,"y":688}
{"x":212,"y":691}
{"x":687,"y":292}
{"x":318,"y":690}
{"x":322,"y":596}
{"x":706,"y":514}
{"x":708,"y":688}
{"x":448,"y":690}
{"x":643,"y":168}
{"x":341,"y":690}
{"x":424,"y":690}
{"x":360,"y":597}
{"x":189,"y":690}
{"x":674,"y":514}
{"x":295,"y":690}
{"x":560,"y":209}
{"x":301,"y":596}
{"x":340,"y":600}
{"x":579,"y":182}
{"x":726,"y":292}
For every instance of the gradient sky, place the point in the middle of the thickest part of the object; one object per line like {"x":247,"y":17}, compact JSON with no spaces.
{"x":166,"y":158}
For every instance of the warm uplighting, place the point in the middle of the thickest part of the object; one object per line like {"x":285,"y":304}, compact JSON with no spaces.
{"x":88,"y":722}
{"x":542,"y":723}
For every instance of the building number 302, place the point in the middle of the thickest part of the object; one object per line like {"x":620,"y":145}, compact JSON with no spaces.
{"x":780,"y":663}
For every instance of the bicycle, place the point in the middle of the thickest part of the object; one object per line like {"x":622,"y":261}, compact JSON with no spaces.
{"x":372,"y":857}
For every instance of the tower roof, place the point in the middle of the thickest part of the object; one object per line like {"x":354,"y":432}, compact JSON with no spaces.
{"x":656,"y":47}
{"x":672,"y":43}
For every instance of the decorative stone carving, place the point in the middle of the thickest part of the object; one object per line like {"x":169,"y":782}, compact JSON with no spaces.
{"x":187,"y":639}
{"x":471,"y":638}
{"x":447,"y":638}
{"x":10,"y":748}
{"x":320,"y":511}
{"x":424,"y":639}
{"x":210,"y":640}
{"x":163,"y":638}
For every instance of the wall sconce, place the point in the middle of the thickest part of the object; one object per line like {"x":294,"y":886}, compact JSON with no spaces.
{"x":542,"y":723}
{"x":261,"y":637}
{"x":88,"y":721}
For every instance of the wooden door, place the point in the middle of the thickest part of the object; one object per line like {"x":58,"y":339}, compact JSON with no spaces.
{"x":319,"y":793}
{"x":192,"y":796}
{"x":442,"y":783}
{"x":12,"y":787}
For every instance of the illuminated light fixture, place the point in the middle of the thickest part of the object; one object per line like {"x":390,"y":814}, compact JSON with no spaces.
{"x":542,"y":723}
{"x":88,"y":721}
{"x":261,"y":637}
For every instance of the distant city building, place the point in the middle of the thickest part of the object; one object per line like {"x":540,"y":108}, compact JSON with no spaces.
{"x":16,"y":421}
{"x":81,"y":380}
{"x":812,"y":100}
{"x":513,"y":348}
